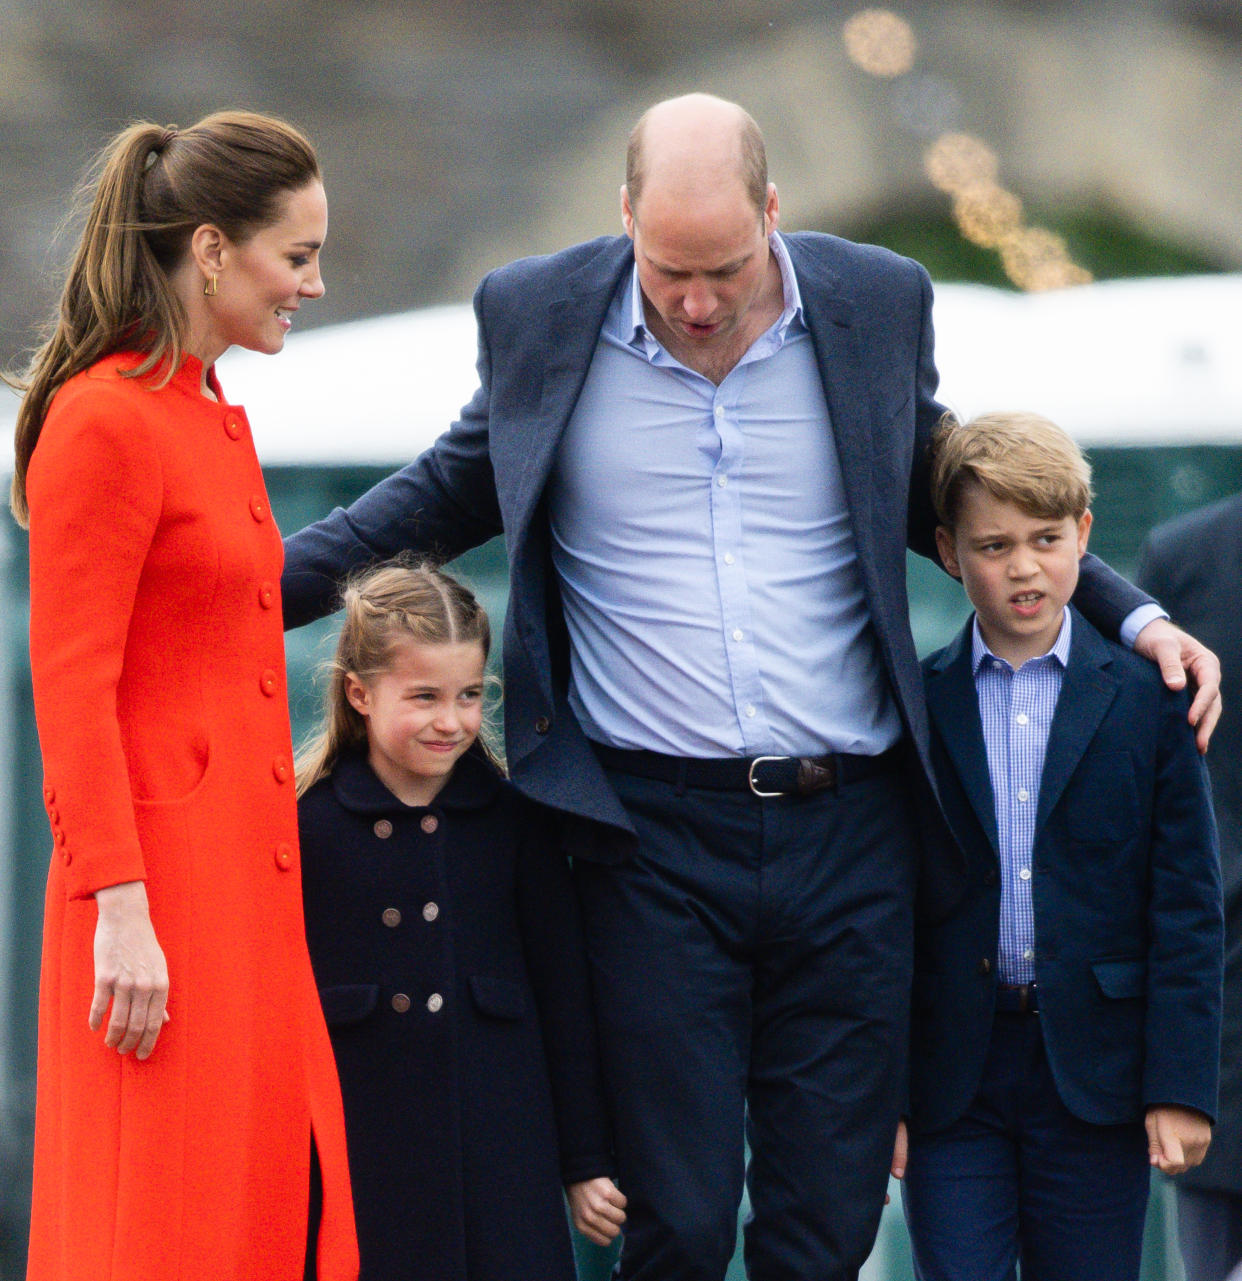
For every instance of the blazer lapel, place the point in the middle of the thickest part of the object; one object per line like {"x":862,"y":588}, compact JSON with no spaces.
{"x":954,"y":708}
{"x":1087,"y":692}
{"x":574,"y":318}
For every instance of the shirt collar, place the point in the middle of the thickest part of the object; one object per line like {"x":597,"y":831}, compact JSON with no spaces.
{"x":1060,"y":648}
{"x":634,"y":329}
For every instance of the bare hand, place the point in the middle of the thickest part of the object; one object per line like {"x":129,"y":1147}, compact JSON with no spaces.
{"x":598,"y":1209}
{"x":130,"y":971}
{"x":1178,"y":654}
{"x":901,"y":1149}
{"x":1177,"y":1138}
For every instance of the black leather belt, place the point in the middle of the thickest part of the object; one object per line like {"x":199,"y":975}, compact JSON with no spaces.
{"x":762,"y":775}
{"x":1017,"y":998}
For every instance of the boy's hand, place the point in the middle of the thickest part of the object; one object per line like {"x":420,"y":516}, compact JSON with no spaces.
{"x":1177,"y":654}
{"x":901,"y":1147}
{"x":598,"y":1209}
{"x":1177,"y":1138}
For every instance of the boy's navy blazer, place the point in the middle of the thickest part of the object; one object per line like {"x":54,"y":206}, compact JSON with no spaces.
{"x":539,"y":319}
{"x":1125,"y":890}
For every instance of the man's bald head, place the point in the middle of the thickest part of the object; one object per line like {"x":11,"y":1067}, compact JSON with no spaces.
{"x":696,"y":143}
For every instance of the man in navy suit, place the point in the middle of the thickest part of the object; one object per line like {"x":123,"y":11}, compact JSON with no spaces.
{"x":704,"y":444}
{"x":1066,"y":1021}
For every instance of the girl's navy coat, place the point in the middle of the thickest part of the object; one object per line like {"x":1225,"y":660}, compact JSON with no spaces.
{"x":449,"y":956}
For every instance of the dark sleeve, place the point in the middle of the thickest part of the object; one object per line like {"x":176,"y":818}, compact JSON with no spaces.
{"x":1153,"y":571}
{"x":1185,"y":923}
{"x":555,"y":950}
{"x":441,"y":504}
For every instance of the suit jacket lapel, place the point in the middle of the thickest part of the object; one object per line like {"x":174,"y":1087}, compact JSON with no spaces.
{"x":1087,"y":691}
{"x":954,"y":708}
{"x":573,"y":320}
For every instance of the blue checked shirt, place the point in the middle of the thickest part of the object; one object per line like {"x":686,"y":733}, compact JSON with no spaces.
{"x":1016,"y":709}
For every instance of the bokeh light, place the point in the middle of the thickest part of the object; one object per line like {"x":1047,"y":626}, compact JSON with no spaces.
{"x":880,"y":42}
{"x":956,"y":161}
{"x":1036,"y":259}
{"x":986,"y":214}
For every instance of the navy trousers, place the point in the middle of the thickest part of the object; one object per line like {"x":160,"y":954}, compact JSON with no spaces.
{"x":1209,"y":1225}
{"x":752,"y":970}
{"x":1018,"y":1176}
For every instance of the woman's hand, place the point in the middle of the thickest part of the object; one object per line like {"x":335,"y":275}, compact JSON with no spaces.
{"x":130,"y":971}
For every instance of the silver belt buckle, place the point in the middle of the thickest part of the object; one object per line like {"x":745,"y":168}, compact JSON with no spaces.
{"x":750,"y":774}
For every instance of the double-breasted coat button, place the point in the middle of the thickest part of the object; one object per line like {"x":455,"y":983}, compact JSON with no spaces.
{"x":267,"y":682}
{"x":258,"y":508}
{"x":985,"y":965}
{"x":430,"y":911}
{"x":267,"y":595}
{"x":391,"y":916}
{"x":542,"y":725}
{"x":429,"y":823}
{"x":382,"y":829}
{"x":284,"y":856}
{"x":400,"y":1002}
{"x":232,"y":428}
{"x":435,"y":1002}
{"x":281,"y":769}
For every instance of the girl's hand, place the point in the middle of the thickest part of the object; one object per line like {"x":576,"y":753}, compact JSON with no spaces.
{"x":598,"y":1209}
{"x":130,"y":971}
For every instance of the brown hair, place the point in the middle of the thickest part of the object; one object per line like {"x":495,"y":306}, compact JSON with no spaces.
{"x":752,"y":161}
{"x":385,"y":606}
{"x":1020,"y":458}
{"x":145,"y":194}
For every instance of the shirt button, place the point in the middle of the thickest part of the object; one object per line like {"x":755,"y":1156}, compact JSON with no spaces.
{"x":728,"y":558}
{"x":267,"y":682}
{"x":391,"y":917}
{"x":1025,"y":873}
{"x":232,"y":428}
{"x":750,"y":709}
{"x":400,"y":1002}
{"x":1028,"y":954}
{"x":258,"y":508}
{"x":382,"y":829}
{"x":430,"y":911}
{"x":281,"y":769}
{"x":1022,"y":718}
{"x":267,"y":595}
{"x":1023,"y":794}
{"x":737,"y":633}
{"x":429,"y":823}
{"x":435,"y":1002}
{"x":284,"y":856}
{"x":722,"y":481}
{"x":719,"y":411}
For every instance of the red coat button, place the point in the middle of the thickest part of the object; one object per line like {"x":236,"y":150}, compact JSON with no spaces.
{"x":267,"y":595}
{"x":429,"y":823}
{"x":267,"y":682}
{"x":284,"y":856}
{"x":54,"y":814}
{"x":232,"y":428}
{"x":58,"y":835}
{"x":281,"y":769}
{"x":258,"y":508}
{"x":49,"y":794}
{"x":66,"y":857}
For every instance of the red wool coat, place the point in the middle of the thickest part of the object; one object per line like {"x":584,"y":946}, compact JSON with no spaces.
{"x":158,"y":665}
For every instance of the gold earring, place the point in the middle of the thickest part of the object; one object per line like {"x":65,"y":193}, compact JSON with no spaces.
{"x":212,"y":287}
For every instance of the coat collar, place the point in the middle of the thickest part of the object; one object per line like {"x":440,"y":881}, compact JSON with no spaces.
{"x":474,"y":784}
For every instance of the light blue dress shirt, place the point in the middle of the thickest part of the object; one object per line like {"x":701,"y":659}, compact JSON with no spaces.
{"x":708,"y":569}
{"x":1016,"y":708}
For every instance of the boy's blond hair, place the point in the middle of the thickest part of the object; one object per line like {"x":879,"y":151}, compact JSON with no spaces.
{"x":1019,"y":458}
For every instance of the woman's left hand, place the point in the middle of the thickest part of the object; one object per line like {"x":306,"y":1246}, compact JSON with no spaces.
{"x":130,"y":971}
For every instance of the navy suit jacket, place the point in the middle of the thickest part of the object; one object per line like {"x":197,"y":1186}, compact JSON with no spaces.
{"x":539,"y":319}
{"x":1126,"y":895}
{"x":1193,"y":566}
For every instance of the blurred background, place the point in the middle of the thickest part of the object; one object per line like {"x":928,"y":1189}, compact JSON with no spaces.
{"x":1028,"y":145}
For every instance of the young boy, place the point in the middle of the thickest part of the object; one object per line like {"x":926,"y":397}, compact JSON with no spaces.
{"x":1066,"y":1016}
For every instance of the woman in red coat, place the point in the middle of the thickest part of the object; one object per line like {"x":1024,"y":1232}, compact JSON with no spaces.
{"x":187,"y":1098}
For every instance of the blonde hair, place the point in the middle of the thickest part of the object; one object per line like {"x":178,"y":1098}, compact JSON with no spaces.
{"x":143,"y":197}
{"x":1019,"y":458}
{"x":393,"y":603}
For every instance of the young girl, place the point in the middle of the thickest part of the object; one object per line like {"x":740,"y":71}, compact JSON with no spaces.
{"x":445,"y":938}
